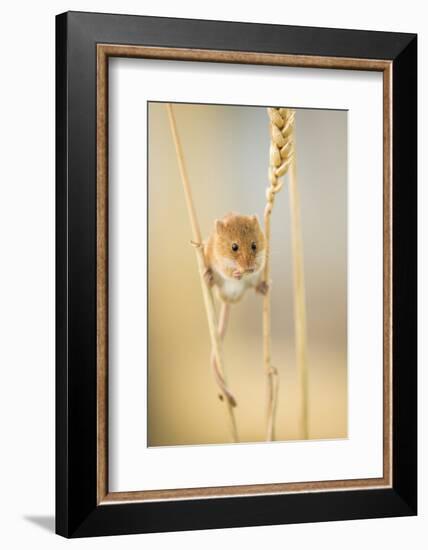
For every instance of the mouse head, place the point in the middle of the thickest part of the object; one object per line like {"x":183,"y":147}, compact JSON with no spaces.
{"x":240,"y":245}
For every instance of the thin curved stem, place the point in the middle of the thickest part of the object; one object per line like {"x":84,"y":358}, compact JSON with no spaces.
{"x":206,"y":290}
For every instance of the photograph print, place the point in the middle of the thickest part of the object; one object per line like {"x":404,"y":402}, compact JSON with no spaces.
{"x":247,"y":274}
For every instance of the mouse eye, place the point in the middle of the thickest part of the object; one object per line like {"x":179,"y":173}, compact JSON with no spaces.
{"x":253,"y":246}
{"x":235,"y":247}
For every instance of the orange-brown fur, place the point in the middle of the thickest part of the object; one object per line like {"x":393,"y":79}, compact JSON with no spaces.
{"x":234,"y":271}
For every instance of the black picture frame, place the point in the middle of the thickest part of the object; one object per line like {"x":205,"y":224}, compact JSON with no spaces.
{"x":77,"y":512}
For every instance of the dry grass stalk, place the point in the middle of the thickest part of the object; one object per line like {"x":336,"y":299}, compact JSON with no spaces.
{"x":206,"y":291}
{"x":299,"y":300}
{"x":281,"y":155}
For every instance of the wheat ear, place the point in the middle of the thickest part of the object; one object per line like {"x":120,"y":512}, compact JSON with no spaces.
{"x":206,"y":290}
{"x":282,"y":160}
{"x":281,"y":155}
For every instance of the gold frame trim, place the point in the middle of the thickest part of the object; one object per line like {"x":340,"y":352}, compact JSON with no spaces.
{"x":104,"y":51}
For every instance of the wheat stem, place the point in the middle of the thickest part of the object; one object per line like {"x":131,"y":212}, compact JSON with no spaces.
{"x":282,"y":159}
{"x":206,"y":291}
{"x":280,"y":155}
{"x":270,"y":371}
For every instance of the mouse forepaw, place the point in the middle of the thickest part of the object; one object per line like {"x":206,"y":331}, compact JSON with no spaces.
{"x":262,"y":288}
{"x":209,"y":276}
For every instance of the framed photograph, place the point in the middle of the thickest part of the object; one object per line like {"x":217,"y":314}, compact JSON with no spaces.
{"x":236,"y":274}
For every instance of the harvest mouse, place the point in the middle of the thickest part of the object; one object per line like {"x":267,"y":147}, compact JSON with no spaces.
{"x":234,"y":254}
{"x":235,"y":257}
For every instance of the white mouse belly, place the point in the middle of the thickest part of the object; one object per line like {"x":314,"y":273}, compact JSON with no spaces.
{"x":232,"y":290}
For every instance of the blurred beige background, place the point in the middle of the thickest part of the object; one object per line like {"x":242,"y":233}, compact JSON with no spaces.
{"x":226,"y":150}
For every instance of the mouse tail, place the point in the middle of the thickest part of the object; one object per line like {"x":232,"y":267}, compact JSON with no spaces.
{"x":222,"y":326}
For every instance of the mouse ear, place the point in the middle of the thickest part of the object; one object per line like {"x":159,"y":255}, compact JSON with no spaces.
{"x":255,"y":219}
{"x":219,"y":226}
